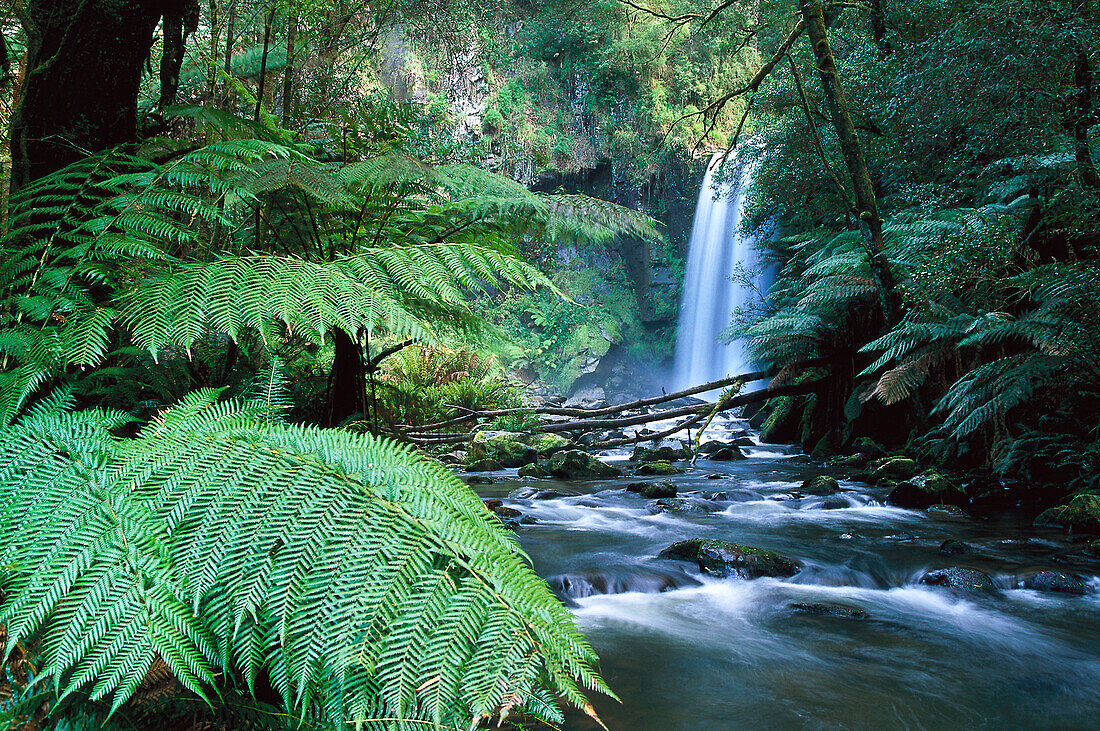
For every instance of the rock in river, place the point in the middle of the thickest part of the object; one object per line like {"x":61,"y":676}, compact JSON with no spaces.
{"x":971,"y":581}
{"x":681,"y":505}
{"x":1056,"y":581}
{"x":653,"y":490}
{"x":723,"y":558}
{"x":658,"y":468}
{"x":827,"y":609}
{"x":820,"y":485}
{"x":573,"y":464}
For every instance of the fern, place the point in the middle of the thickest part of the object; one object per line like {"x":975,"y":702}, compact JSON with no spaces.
{"x":364,"y":582}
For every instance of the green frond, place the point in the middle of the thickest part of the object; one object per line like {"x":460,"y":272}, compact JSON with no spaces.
{"x":364,"y":581}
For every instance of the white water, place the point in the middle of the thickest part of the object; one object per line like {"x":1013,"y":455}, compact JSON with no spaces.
{"x":717,"y":251}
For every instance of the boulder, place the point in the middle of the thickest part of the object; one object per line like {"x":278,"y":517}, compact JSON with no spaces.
{"x":950,"y":513}
{"x":459,"y":456}
{"x":1081,"y":514}
{"x":728,"y":453}
{"x":498,"y":508}
{"x":513,"y":449}
{"x":534,"y":493}
{"x":1056,"y":581}
{"x":925,"y":490}
{"x":534,"y":470}
{"x":573,"y":464}
{"x":934,"y":482}
{"x":732,"y":496}
{"x":894,"y":468}
{"x":723,"y":558}
{"x":587,"y":398}
{"x":658,"y":468}
{"x":484,"y":465}
{"x":743,"y":442}
{"x":653,"y":490}
{"x":869,"y":448}
{"x":659,"y":454}
{"x":952,"y":547}
{"x":681,"y":505}
{"x":546,"y":444}
{"x":970,"y":581}
{"x":833,"y":502}
{"x":507,"y":448}
{"x":828,"y":609}
{"x":820,"y":485}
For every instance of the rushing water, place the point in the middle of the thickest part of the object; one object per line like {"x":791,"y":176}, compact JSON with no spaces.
{"x":685,"y":651}
{"x":717,"y":255}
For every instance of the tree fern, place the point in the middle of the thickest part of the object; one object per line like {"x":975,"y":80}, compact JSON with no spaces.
{"x":364,"y":582}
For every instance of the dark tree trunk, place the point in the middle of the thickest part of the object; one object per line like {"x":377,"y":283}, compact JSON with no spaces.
{"x":347,"y":390}
{"x":870,"y":223}
{"x":84,"y":66}
{"x":176,"y":27}
{"x":1082,"y":120}
{"x":288,"y":72}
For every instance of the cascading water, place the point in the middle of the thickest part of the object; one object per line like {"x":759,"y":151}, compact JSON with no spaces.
{"x":717,"y":253}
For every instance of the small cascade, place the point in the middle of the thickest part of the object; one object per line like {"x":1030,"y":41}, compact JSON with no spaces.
{"x":717,"y":251}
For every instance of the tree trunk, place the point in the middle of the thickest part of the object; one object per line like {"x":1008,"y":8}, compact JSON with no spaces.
{"x":347,"y":390}
{"x":1082,"y":120}
{"x":870,"y":223}
{"x":176,"y":29}
{"x":84,"y":65}
{"x":288,"y":72}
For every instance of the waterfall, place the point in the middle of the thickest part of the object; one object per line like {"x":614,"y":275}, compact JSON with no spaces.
{"x":716,"y":249}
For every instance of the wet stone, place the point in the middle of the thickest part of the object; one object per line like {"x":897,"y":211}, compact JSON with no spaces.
{"x":723,"y":558}
{"x":971,"y":581}
{"x":828,"y":609}
{"x":1056,"y":581}
{"x":952,"y":547}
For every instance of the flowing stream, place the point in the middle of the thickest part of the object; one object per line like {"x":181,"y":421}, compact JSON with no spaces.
{"x":719,"y":259}
{"x":686,"y":651}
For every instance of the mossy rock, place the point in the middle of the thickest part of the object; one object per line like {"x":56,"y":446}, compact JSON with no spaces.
{"x":821,"y":485}
{"x":508,"y":448}
{"x":953,"y":546}
{"x":828,"y":609}
{"x":728,"y":453}
{"x":723,"y":558}
{"x":950,"y":513}
{"x":573,"y":464}
{"x":659,"y":454}
{"x":658,"y":468}
{"x":1056,"y":581}
{"x":534,"y":470}
{"x":484,"y":465}
{"x":894,"y":468}
{"x":653,"y":490}
{"x":681,"y":505}
{"x":1081,"y":514}
{"x":967,"y":580}
{"x":934,"y":482}
{"x":548,"y":444}
{"x":869,"y":448}
{"x":851,"y":460}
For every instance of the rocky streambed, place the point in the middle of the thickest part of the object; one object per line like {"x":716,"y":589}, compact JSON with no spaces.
{"x":759,"y":591}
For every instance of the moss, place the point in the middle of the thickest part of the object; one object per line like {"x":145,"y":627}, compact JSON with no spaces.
{"x":1081,"y":514}
{"x":723,"y":558}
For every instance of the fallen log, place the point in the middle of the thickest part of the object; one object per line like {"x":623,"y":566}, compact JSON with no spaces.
{"x":695,"y":412}
{"x":608,"y":410}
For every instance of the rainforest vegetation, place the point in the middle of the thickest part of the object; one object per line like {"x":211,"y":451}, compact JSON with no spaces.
{"x":262,"y":259}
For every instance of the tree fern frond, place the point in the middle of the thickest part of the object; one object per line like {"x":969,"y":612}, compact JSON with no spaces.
{"x":366,"y":582}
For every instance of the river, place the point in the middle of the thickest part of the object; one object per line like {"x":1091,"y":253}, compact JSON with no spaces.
{"x":687,"y":651}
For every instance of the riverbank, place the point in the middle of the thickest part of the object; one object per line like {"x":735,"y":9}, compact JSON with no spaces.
{"x":864,"y":634}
